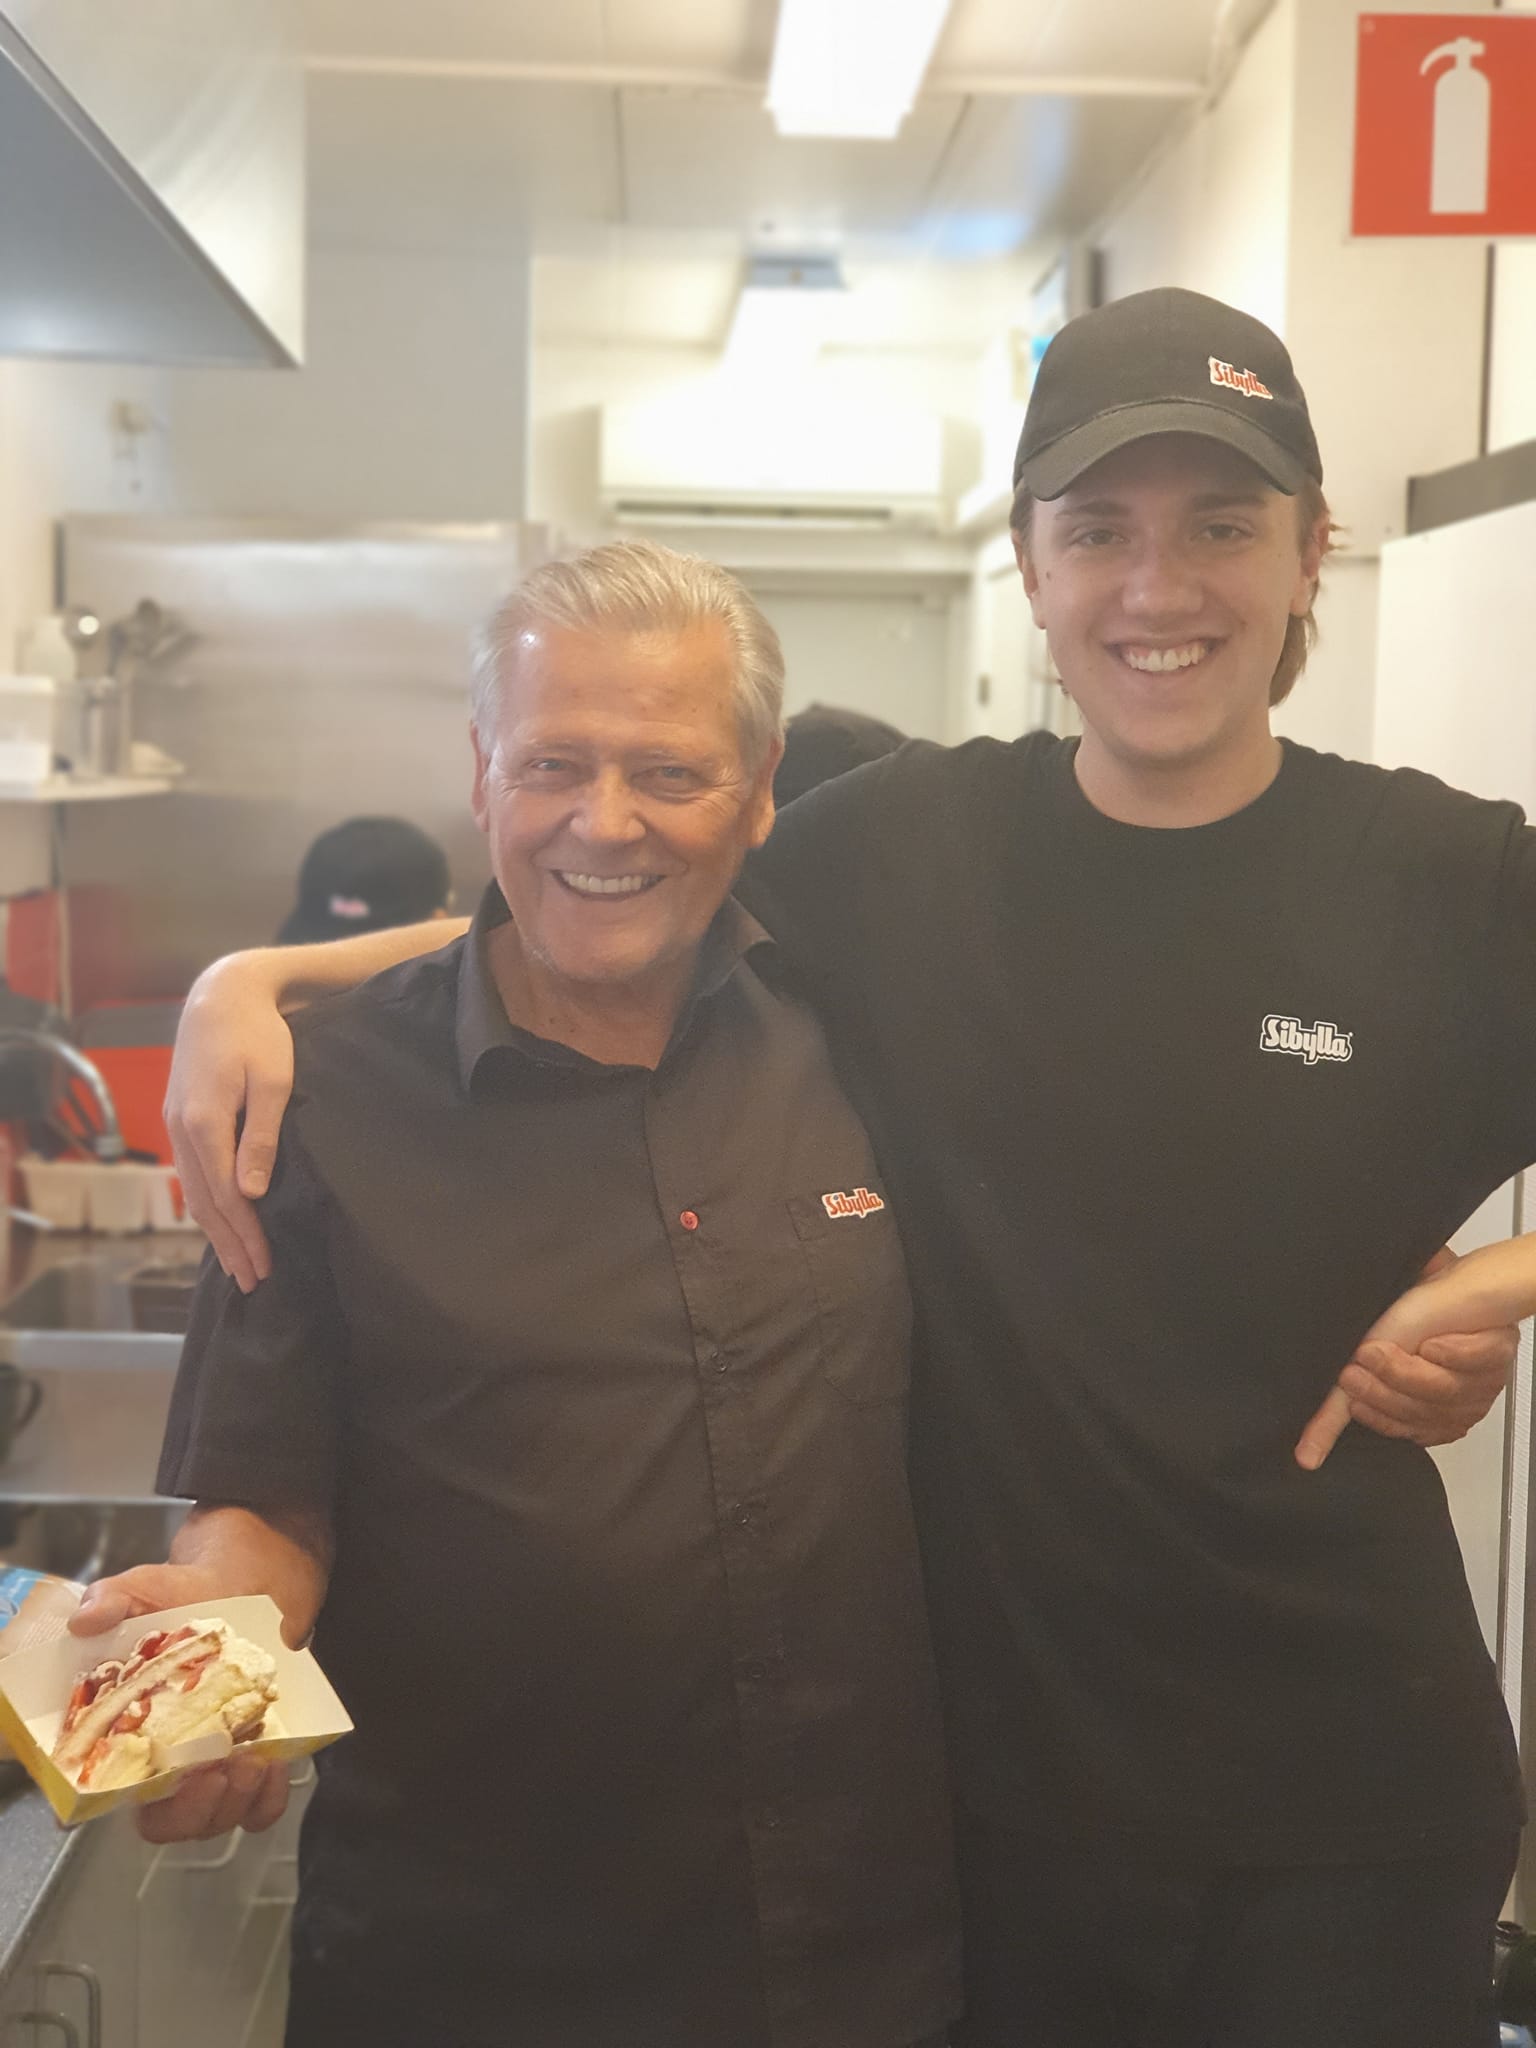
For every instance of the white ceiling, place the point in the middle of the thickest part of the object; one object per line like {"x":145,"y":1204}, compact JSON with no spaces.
{"x":643,"y":165}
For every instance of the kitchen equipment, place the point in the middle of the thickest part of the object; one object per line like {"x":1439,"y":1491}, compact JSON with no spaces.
{"x":28,"y":708}
{"x":57,"y":1190}
{"x":161,"y":1297}
{"x":97,"y":1130}
{"x":105,"y":719}
{"x":20,"y":1398}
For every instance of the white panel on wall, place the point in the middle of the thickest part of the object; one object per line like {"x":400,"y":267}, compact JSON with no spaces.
{"x":1453,"y":671}
{"x":1330,"y":708}
{"x":1473,"y":1470}
{"x":1512,"y":392}
{"x":1453,"y":696}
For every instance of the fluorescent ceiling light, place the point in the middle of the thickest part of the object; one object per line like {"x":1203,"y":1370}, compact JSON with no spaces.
{"x":787,"y":309}
{"x":851,"y":67}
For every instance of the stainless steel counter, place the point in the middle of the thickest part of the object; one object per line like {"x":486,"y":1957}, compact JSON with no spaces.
{"x":118,"y":1401}
{"x":34,"y":1854}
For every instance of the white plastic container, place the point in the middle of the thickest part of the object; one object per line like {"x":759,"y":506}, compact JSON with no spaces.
{"x":28,"y":712}
{"x":118,"y":1198}
{"x":58,"y":1189}
{"x":167,"y":1207}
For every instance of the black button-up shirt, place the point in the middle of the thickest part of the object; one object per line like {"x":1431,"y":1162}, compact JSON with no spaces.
{"x":601,"y":1376}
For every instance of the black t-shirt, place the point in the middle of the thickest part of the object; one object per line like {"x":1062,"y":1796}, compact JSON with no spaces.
{"x":1171,"y":1117}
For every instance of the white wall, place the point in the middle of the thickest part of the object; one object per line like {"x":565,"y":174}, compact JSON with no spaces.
{"x":412,"y":403}
{"x":1213,"y":212}
{"x":886,"y":654}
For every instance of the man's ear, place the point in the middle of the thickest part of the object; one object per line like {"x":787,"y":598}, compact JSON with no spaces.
{"x":1313,"y":549}
{"x":1026,"y":562}
{"x":479,"y":807}
{"x":760,"y":803}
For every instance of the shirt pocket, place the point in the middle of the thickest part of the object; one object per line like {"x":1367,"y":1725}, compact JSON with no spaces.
{"x":863,"y":1309}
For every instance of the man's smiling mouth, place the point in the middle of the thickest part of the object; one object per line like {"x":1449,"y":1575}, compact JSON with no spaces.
{"x":1163,"y":660}
{"x":605,"y":885}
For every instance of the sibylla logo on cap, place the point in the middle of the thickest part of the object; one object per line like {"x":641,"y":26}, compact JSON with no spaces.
{"x":1238,"y":380}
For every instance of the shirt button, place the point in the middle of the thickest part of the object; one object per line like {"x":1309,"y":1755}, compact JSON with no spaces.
{"x":689,"y":1220}
{"x":754,"y":1673}
{"x":719,"y":1362}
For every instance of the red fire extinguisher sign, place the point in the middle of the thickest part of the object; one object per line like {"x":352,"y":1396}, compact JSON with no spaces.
{"x":1445,"y":125}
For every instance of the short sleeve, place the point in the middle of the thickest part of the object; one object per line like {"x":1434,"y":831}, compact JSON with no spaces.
{"x":253,"y":1418}
{"x":805,"y":883}
{"x":1514,"y":1002}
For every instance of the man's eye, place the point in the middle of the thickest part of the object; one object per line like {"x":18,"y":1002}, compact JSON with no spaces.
{"x":673,"y":776}
{"x":1226,"y":530}
{"x":1094,"y":537}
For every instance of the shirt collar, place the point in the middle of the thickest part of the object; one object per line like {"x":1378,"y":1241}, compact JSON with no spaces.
{"x":482,"y":1026}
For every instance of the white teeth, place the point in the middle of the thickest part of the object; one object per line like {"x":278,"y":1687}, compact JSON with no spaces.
{"x":1159,"y":660}
{"x":607,"y":885}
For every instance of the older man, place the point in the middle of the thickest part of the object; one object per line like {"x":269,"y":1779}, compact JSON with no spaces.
{"x":576,"y":1410}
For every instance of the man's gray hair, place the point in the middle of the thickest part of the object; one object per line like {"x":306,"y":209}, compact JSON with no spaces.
{"x":638,"y":586}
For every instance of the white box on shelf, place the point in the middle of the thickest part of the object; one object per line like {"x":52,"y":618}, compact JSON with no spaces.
{"x":28,"y":710}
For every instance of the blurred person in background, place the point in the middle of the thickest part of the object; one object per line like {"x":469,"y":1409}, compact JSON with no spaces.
{"x":367,"y":875}
{"x":822,"y":742}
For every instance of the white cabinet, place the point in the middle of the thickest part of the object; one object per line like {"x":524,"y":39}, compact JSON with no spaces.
{"x":213,"y":1932}
{"x":77,"y":1984}
{"x":181,"y":1947}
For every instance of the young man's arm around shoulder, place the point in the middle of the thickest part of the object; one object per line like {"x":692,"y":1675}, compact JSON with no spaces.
{"x":234,"y":1061}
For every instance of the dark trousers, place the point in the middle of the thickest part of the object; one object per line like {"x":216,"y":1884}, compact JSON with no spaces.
{"x":1071,"y":1948}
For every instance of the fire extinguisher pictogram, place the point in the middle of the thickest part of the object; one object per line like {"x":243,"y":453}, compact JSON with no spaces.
{"x":1462,"y":145}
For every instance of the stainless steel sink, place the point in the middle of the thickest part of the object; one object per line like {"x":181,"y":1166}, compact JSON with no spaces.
{"x":80,"y":1313}
{"x":106,"y":1385}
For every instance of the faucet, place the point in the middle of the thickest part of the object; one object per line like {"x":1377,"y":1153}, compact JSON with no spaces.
{"x":107,"y":1143}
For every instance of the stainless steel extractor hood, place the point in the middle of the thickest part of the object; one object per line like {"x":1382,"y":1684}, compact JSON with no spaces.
{"x":151,"y":188}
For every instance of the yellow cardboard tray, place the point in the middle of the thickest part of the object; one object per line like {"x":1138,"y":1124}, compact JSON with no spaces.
{"x":35,"y":1686}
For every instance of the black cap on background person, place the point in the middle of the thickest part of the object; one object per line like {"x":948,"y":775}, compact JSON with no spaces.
{"x":821,"y":742}
{"x":365,"y":876}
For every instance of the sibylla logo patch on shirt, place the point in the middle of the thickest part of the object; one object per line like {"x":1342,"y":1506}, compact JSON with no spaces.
{"x":1311,"y":1042}
{"x":862,"y":1202}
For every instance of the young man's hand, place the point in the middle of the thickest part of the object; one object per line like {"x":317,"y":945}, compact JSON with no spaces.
{"x":1433,"y":1396}
{"x":233,"y":1059}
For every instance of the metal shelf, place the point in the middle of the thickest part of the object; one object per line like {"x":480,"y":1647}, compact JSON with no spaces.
{"x":70,"y":789}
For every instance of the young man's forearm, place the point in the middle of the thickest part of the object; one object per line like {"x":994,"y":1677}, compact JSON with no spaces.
{"x":1489,"y":1287}
{"x":300,"y":974}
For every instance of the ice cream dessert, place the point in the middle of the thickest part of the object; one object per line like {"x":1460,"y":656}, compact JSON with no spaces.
{"x":127,"y":1714}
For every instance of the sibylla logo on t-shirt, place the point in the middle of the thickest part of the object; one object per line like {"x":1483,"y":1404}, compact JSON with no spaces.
{"x":862,"y":1202}
{"x":1311,"y":1042}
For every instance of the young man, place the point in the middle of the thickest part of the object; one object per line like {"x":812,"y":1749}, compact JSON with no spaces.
{"x":1182,"y":1050}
